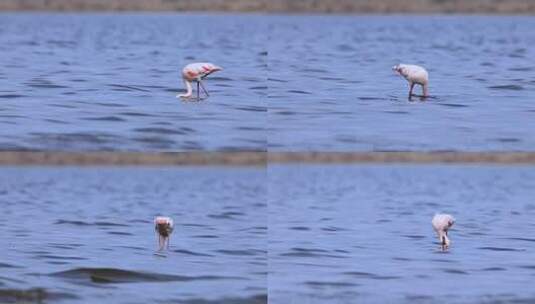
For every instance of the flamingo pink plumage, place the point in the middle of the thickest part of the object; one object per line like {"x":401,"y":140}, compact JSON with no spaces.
{"x":415,"y":75}
{"x":441,"y":224}
{"x":197,"y":72}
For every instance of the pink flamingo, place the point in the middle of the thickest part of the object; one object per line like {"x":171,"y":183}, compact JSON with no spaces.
{"x":164,"y":228}
{"x":441,"y":224}
{"x":415,"y":75}
{"x":197,"y":72}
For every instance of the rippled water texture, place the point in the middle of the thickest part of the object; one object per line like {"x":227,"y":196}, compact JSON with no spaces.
{"x":108,"y":82}
{"x":362,"y":234}
{"x":84,"y":235}
{"x":331,"y":86}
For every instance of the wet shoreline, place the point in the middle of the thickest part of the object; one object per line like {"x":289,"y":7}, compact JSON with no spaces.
{"x":254,"y":158}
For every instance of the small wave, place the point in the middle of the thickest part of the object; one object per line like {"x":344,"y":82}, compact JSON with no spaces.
{"x":299,"y":92}
{"x":114,"y":275}
{"x":82,"y":223}
{"x":527,"y":266}
{"x":371,"y":98}
{"x":414,"y":237}
{"x":34,"y":295}
{"x":110,"y":224}
{"x":111,"y":104}
{"x":311,"y":70}
{"x":59,"y":257}
{"x":454,"y":271}
{"x":120,"y":87}
{"x":119,"y":233}
{"x":137,"y":114}
{"x":5,"y":265}
{"x":368,"y":275}
{"x":285,"y":113}
{"x":104,"y":118}
{"x":396,"y":112}
{"x":521,"y":239}
{"x":206,"y":236}
{"x":500,"y":249}
{"x":155,"y":141}
{"x":11,"y":96}
{"x":77,"y":223}
{"x":250,"y":252}
{"x":187,"y":252}
{"x":252,"y":109}
{"x":513,"y":87}
{"x":507,"y":140}
{"x":310,"y":253}
{"x":257,"y":299}
{"x":452,"y":105}
{"x":245,"y":128}
{"x":330,"y":284}
{"x":521,"y":69}
{"x":494,"y":269}
{"x":46,"y":86}
{"x":333,"y":229}
{"x":300,"y":228}
{"x":225,"y":215}
{"x":164,"y":131}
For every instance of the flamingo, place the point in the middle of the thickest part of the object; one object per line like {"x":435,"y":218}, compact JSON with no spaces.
{"x":197,"y":72}
{"x":415,"y":75}
{"x":164,"y":228}
{"x":441,"y":223}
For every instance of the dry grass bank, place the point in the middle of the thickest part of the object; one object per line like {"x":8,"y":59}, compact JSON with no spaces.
{"x":293,"y":6}
{"x":256,"y":158}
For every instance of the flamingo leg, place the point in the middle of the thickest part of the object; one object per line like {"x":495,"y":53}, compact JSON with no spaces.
{"x":198,"y":93}
{"x":424,"y":90}
{"x":410,"y":90}
{"x":204,"y":89}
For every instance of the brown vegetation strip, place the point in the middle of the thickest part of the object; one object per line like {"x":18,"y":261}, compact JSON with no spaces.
{"x":255,"y":158}
{"x":132,"y":158}
{"x":405,"y":157}
{"x":292,"y":6}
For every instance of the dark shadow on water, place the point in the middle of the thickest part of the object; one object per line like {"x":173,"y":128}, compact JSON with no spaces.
{"x":114,"y":275}
{"x":33,"y":295}
{"x":258,"y":299}
{"x":367,"y":275}
{"x":501,"y":249}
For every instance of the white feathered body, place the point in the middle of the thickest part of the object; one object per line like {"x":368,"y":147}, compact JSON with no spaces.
{"x":441,"y":224}
{"x":413,"y":73}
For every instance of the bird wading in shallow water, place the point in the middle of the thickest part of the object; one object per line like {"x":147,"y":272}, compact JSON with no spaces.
{"x":441,"y":224}
{"x":415,"y":75}
{"x":196,"y":72}
{"x":164,"y":227}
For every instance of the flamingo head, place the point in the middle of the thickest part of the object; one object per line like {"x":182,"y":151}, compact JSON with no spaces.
{"x":163,"y":225}
{"x":399,"y":69}
{"x":451,"y":221}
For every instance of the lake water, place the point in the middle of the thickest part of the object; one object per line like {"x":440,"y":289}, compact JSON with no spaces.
{"x":331,"y":87}
{"x":108,"y":82}
{"x":87,"y":236}
{"x":362,"y":234}
{"x":291,"y":83}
